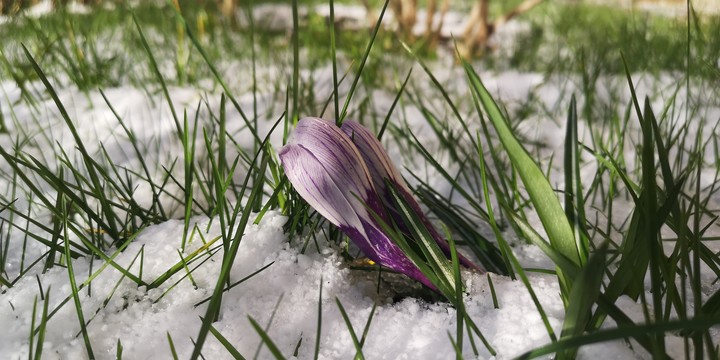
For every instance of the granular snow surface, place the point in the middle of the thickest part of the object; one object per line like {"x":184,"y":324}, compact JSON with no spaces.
{"x":284,"y":297}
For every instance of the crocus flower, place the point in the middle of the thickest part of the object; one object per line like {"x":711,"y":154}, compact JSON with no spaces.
{"x":342,"y":174}
{"x":381,"y":170}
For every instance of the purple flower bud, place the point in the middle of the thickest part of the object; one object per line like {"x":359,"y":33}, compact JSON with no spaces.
{"x":381,"y":170}
{"x":341,"y":174}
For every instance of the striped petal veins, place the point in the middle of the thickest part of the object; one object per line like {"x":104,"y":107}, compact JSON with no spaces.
{"x":329,"y":172}
{"x":381,"y":170}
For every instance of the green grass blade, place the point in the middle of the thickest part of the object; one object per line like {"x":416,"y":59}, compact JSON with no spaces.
{"x":583,"y":295}
{"x":366,"y":329}
{"x":541,"y":193}
{"x":393,"y":105}
{"x":460,"y":307}
{"x":76,"y":295}
{"x":156,"y":70}
{"x":333,"y":57}
{"x":266,"y":339}
{"x":226,"y":343}
{"x":239,"y":281}
{"x":343,"y":113}
{"x":319,"y":320}
{"x":574,"y":197}
{"x":43,"y":326}
{"x":173,"y":352}
{"x":295,"y":114}
{"x":269,"y":323}
{"x":698,"y":324}
{"x":188,"y":142}
{"x":505,"y":251}
{"x":430,"y":252}
{"x":214,"y":307}
{"x":111,"y":259}
{"x":496,"y":305}
{"x":531,"y":235}
{"x":456,"y":347}
{"x":217,"y":75}
{"x":358,"y":348}
{"x":118,"y":350}
{"x":107,"y":210}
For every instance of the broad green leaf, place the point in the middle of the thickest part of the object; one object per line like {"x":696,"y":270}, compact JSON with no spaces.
{"x":541,"y":194}
{"x":583,"y":296}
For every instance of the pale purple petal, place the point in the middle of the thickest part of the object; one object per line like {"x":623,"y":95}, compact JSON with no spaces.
{"x":381,"y":169}
{"x":327,"y":170}
{"x":374,"y":154}
{"x":319,"y":188}
{"x":326,"y":165}
{"x":338,"y":154}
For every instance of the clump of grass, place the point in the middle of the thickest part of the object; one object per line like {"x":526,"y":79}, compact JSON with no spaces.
{"x":590,"y":287}
{"x":93,"y":212}
{"x":656,"y":43}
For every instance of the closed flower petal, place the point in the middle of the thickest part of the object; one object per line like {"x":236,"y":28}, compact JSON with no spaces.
{"x":327,"y":170}
{"x":381,"y":169}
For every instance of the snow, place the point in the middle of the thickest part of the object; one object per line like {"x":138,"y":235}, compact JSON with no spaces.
{"x":44,"y":7}
{"x":291,"y":283}
{"x":284,"y":297}
{"x":287,"y":291}
{"x":142,"y":318}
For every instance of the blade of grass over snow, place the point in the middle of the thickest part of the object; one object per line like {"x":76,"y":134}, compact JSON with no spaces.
{"x":227,"y":344}
{"x":213,"y":309}
{"x":425,"y":253}
{"x":274,"y":350}
{"x":319,"y":321}
{"x":400,"y":92}
{"x":505,"y":251}
{"x":171,"y":343}
{"x":31,"y":341}
{"x":295,"y":115}
{"x":108,"y":222}
{"x":76,"y":293}
{"x":574,"y":196}
{"x":182,"y":264}
{"x":156,"y":71}
{"x":188,"y":142}
{"x":217,"y":76}
{"x":496,"y":305}
{"x":333,"y":58}
{"x":583,"y":295}
{"x":239,"y":282}
{"x":253,"y":55}
{"x":366,"y":55}
{"x":460,"y":308}
{"x":42,"y":329}
{"x":119,"y":350}
{"x":366,"y":329}
{"x":541,"y":193}
{"x":358,"y":348}
{"x":605,"y":335}
{"x":269,"y":323}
